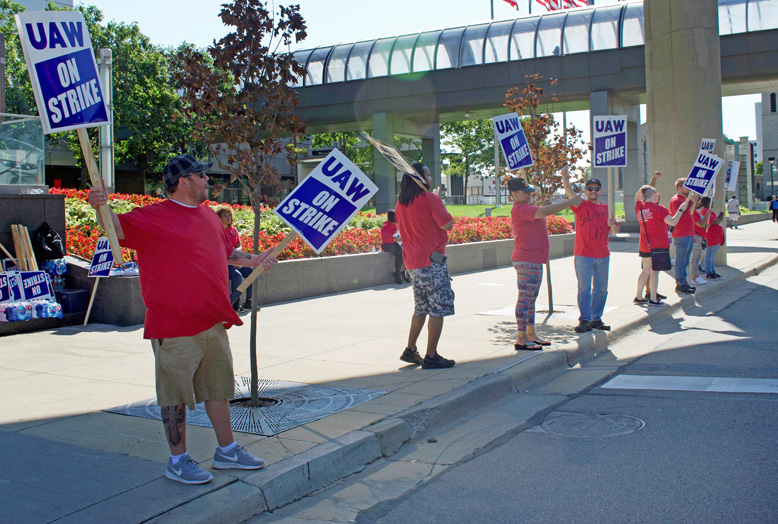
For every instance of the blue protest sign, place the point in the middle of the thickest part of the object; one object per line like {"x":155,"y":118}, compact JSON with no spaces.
{"x":326,"y":200}
{"x":730,"y":181}
{"x":62,"y":69}
{"x":393,"y":155}
{"x":510,"y":135}
{"x":35,"y":284}
{"x":610,"y":141}
{"x":6,"y":293}
{"x":703,"y":173}
{"x":707,"y":145}
{"x":102,"y":261}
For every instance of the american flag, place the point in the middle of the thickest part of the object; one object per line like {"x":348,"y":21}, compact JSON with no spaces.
{"x":553,"y":5}
{"x":513,"y":3}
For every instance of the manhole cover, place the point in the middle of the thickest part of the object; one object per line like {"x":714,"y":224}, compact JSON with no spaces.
{"x":591,"y":425}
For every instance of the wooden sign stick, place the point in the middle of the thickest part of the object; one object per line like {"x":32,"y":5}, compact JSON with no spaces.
{"x":94,"y":176}
{"x":260,"y":268}
{"x":91,"y":300}
{"x":32,"y":264}
{"x":9,"y":255}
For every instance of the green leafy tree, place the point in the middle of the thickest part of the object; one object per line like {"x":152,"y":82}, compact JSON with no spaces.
{"x":470,"y":147}
{"x":759,"y":168}
{"x":348,"y":143}
{"x":18,"y":90}
{"x":240,"y":99}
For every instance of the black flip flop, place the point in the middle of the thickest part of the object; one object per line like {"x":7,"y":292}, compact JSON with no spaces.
{"x":528,"y":347}
{"x":541,"y":342}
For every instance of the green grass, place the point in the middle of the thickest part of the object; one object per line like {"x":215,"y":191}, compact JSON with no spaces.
{"x":504,"y":211}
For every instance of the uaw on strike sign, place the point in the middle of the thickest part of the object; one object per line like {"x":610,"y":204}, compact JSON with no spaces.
{"x":326,"y":200}
{"x":62,"y":68}
{"x":610,"y":141}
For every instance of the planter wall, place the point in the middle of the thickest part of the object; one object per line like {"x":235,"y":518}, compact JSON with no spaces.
{"x":118,"y":300}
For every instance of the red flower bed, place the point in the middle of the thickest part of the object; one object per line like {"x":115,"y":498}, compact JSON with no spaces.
{"x":82,"y":238}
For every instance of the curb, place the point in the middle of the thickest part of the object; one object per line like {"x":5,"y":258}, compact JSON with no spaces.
{"x":296,"y":477}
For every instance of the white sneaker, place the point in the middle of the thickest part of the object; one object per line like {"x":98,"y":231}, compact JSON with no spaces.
{"x":700,"y":280}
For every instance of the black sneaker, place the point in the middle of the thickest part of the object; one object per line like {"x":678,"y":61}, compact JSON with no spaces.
{"x":597,"y":324}
{"x":583,"y":326}
{"x":411,"y":356}
{"x":659,"y":296}
{"x":658,"y":303}
{"x":640,"y":301}
{"x":437,"y":362}
{"x":683,"y":289}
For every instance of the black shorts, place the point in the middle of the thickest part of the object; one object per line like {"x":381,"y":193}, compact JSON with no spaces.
{"x":643,"y":254}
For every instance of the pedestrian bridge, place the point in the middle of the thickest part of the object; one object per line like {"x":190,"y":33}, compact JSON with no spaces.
{"x":438,"y":76}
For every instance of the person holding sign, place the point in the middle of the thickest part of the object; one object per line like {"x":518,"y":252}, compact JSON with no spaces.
{"x":182,"y":249}
{"x":390,"y":243}
{"x":530,"y":252}
{"x":714,"y":238}
{"x":593,"y":224}
{"x":424,"y":224}
{"x":654,"y":219}
{"x":683,"y":234}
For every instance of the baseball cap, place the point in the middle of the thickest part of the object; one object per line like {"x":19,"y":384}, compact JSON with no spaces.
{"x":593,"y":181}
{"x":519,"y":184}
{"x":180,"y":166}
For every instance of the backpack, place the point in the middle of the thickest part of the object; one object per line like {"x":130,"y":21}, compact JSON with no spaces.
{"x":47,"y":243}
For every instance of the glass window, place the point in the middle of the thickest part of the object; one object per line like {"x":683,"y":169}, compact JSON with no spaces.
{"x":401,"y":54}
{"x":575,"y":38}
{"x":762,"y":14}
{"x":22,"y":155}
{"x":550,"y":35}
{"x":523,"y":38}
{"x":336,"y":65}
{"x":424,"y":54}
{"x":732,"y":16}
{"x":378,"y":64}
{"x":605,"y":28}
{"x":316,"y":66}
{"x":301,"y":57}
{"x":473,"y":45}
{"x":632,"y":26}
{"x":448,"y":48}
{"x":497,"y":41}
{"x":356,"y":68}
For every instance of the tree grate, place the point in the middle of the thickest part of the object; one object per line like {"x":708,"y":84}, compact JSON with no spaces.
{"x":286,"y":406}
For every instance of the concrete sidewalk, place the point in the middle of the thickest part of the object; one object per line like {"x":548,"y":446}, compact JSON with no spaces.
{"x":68,"y":461}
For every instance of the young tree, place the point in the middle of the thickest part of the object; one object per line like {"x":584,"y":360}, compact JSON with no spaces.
{"x":348,"y":143}
{"x":473,"y":140}
{"x":551,"y":148}
{"x":241,"y":100}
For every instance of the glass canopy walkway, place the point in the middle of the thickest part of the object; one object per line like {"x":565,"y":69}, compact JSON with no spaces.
{"x":557,"y":33}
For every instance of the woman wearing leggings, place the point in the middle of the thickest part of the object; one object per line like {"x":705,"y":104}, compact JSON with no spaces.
{"x":530,"y":252}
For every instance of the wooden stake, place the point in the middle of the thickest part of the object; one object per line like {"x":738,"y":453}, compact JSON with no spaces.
{"x":9,"y":255}
{"x":94,"y":176}
{"x":91,"y":300}
{"x":260,"y":268}
{"x":31,"y":263}
{"x":18,"y":247}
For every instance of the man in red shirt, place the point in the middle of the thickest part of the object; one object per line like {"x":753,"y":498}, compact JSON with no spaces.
{"x":182,"y":249}
{"x":424,"y":224}
{"x":593,"y":224}
{"x":683,"y":235}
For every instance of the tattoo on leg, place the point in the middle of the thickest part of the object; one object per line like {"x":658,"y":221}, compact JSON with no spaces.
{"x":174,"y":420}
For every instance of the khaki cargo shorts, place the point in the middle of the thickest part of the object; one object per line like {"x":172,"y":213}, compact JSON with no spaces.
{"x":190,"y":370}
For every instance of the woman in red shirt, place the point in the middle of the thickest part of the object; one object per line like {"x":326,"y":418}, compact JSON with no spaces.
{"x":715,"y":238}
{"x":235,"y":274}
{"x":653,"y":219}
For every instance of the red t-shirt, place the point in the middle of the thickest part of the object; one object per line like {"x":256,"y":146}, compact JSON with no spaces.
{"x":685,"y":226}
{"x":700,"y":231}
{"x":591,"y":230}
{"x":234,"y":237}
{"x":419,"y":224}
{"x":530,"y":235}
{"x":387,"y":232}
{"x":654,"y":216}
{"x":182,"y":260}
{"x":715,"y":233}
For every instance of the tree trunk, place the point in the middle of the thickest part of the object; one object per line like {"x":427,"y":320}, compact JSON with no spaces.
{"x":254,"y":321}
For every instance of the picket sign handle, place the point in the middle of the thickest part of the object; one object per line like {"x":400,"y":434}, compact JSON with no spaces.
{"x":611,"y":190}
{"x":94,"y":177}
{"x":91,"y":300}
{"x":260,"y":268}
{"x":9,"y":255}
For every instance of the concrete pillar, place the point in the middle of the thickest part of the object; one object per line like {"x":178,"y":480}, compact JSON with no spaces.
{"x":430,"y":152}
{"x":385,"y":173}
{"x":683,"y":88}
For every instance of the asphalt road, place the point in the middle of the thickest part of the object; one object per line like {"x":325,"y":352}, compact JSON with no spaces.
{"x":684,"y":434}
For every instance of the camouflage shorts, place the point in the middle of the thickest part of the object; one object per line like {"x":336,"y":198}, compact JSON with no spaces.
{"x":432,"y":293}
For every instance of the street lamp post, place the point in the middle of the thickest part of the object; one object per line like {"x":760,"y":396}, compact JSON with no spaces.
{"x":772,"y":168}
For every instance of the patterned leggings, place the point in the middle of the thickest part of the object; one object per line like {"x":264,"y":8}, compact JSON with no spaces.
{"x":528,"y":277}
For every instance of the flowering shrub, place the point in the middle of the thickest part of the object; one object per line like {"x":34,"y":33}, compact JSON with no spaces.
{"x":361,"y":235}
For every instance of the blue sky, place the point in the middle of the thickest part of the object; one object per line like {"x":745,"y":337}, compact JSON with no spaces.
{"x":170,"y":22}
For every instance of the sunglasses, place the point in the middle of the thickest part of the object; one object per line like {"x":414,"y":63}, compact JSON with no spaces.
{"x":594,"y":188}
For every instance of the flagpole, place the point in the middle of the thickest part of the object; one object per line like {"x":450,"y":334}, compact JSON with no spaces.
{"x":492,"y":9}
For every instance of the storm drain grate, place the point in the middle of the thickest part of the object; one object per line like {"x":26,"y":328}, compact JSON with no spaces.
{"x":285,"y":405}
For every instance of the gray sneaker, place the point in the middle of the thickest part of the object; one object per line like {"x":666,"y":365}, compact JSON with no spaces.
{"x":187,"y":471}
{"x":238,"y":458}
